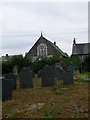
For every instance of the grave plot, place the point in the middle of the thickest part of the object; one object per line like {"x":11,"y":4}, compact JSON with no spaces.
{"x":47,"y":74}
{"x":7,"y":88}
{"x":26,"y":78}
{"x":13,"y":78}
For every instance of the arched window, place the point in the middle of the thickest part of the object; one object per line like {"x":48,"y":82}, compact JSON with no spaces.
{"x":42,"y":50}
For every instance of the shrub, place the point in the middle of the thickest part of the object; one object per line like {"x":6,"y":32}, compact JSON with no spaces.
{"x":76,"y":61}
{"x":19,"y":61}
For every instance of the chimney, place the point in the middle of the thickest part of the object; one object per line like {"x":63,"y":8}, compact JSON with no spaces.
{"x":7,"y":55}
{"x":54,"y":43}
{"x":74,"y":41}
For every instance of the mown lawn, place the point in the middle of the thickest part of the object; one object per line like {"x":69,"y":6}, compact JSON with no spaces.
{"x":49,"y":102}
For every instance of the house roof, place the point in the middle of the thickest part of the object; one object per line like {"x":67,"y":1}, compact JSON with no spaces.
{"x":81,"y":48}
{"x":5,"y":58}
{"x":58,"y":49}
{"x":53,"y":45}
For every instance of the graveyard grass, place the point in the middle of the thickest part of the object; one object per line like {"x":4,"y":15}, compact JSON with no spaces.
{"x":58,"y":101}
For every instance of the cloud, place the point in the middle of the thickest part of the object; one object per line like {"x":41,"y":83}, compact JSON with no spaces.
{"x":60,"y":22}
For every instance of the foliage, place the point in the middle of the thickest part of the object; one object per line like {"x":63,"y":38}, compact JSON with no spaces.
{"x":41,"y":63}
{"x":87,"y":63}
{"x":47,"y":115}
{"x":19,"y":60}
{"x":56,"y":91}
{"x":76,"y":61}
{"x":65,"y":62}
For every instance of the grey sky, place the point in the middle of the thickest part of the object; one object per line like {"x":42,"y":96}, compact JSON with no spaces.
{"x":60,"y":22}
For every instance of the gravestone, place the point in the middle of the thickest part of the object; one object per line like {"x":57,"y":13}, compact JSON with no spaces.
{"x":68,"y":77}
{"x":39,"y":72}
{"x":58,"y":73}
{"x":31,"y":69}
{"x":13,"y":78}
{"x":47,"y":75}
{"x":7,"y":88}
{"x":26,"y":78}
{"x":0,"y":88}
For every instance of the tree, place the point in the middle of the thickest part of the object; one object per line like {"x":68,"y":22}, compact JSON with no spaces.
{"x":65,"y":62}
{"x":18,"y":61}
{"x":44,"y":60}
{"x":87,"y":63}
{"x":76,"y":61}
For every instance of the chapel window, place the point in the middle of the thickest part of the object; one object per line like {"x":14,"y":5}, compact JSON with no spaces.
{"x":42,"y":50}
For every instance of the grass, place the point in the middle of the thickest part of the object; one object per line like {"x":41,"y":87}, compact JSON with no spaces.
{"x":11,"y":115}
{"x":82,"y":78}
{"x":56,"y":91}
{"x":59,"y":101}
{"x":47,"y":115}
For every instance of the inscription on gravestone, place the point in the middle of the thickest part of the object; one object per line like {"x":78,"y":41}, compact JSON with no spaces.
{"x":26,"y":78}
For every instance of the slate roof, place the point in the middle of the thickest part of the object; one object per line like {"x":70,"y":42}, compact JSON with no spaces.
{"x":80,"y":49}
{"x":56,"y":47}
{"x":5,"y":58}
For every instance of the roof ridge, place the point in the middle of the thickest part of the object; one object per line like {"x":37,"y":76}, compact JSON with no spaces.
{"x":82,"y":43}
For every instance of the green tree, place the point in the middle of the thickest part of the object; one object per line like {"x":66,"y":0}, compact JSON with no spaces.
{"x":76,"y":61}
{"x":19,"y":61}
{"x":44,"y":60}
{"x":65,"y":62}
{"x":87,"y":63}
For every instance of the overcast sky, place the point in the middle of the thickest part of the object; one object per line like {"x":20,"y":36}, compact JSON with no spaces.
{"x":22,"y":23}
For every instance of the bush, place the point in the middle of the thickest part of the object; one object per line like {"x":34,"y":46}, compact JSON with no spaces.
{"x":87,"y":64}
{"x":40,"y":64}
{"x":65,"y":62}
{"x":19,"y":61}
{"x":76,"y":61}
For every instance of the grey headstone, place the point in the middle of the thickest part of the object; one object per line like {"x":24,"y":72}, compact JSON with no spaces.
{"x":47,"y":75}
{"x":31,"y":69}
{"x":39,"y":73}
{"x":68,"y":77}
{"x":7,"y":88}
{"x":26,"y":78}
{"x":13,"y":78}
{"x":1,"y":88}
{"x":58,"y":73}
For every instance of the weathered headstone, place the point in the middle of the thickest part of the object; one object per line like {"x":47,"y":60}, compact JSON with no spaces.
{"x":13,"y":78}
{"x":58,"y":73}
{"x":31,"y":69}
{"x":68,"y":77}
{"x":39,"y":72}
{"x":26,"y":78}
{"x":7,"y":88}
{"x":0,"y":88}
{"x":47,"y":75}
